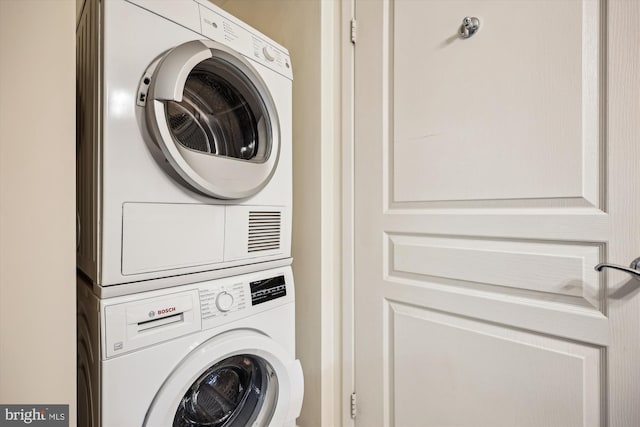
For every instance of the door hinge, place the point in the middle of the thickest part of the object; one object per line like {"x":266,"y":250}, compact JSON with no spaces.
{"x":354,"y":28}
{"x":354,"y":404}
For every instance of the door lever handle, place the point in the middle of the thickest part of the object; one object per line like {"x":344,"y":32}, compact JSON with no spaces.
{"x":633,"y":269}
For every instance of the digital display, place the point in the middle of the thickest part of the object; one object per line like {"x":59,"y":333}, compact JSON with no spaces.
{"x":267,"y":289}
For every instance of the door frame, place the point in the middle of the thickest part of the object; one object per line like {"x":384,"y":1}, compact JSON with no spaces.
{"x":347,"y":80}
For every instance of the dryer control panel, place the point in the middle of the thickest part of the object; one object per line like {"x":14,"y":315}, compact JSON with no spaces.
{"x":205,"y":18}
{"x":244,"y":39}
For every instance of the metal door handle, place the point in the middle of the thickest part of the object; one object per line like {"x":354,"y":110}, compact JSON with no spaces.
{"x":633,"y":269}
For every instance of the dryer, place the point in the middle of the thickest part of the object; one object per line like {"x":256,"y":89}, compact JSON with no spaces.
{"x":184,"y":145}
{"x":216,"y":353}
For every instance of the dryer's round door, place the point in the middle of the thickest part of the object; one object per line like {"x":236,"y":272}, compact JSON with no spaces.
{"x":238,"y":379}
{"x":214,"y":119}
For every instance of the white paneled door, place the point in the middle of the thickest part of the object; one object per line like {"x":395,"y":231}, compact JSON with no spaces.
{"x":491,"y":175}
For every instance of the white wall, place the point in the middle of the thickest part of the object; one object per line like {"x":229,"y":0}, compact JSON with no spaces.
{"x":37,"y":203}
{"x":308,"y":29}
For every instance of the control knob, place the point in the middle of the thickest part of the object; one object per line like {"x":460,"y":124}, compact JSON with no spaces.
{"x":224,"y":301}
{"x":269,"y":54}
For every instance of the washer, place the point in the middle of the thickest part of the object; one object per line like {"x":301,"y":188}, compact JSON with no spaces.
{"x":184,"y":145}
{"x":216,"y":353}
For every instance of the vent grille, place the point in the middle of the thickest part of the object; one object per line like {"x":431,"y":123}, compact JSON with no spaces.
{"x":264,"y":230}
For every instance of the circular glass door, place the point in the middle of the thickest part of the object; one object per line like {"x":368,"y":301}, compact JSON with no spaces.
{"x":214,"y":119}
{"x":237,"y":391}
{"x":236,"y":379}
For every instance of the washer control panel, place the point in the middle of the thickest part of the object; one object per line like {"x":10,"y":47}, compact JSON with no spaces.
{"x":132,"y":322}
{"x":221,"y":300}
{"x":232,"y":298}
{"x":267,"y":289}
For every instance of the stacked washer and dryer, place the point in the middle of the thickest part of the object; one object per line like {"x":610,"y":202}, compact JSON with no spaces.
{"x":185,"y":290}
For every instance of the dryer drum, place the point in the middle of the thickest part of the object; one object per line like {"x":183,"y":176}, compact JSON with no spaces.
{"x":232,"y":392}
{"x":220,"y":114}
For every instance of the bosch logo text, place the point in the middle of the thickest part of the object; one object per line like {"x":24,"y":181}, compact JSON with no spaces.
{"x":166,"y":310}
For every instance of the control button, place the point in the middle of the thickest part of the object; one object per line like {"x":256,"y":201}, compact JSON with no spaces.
{"x":224,"y":301}
{"x":269,"y":54}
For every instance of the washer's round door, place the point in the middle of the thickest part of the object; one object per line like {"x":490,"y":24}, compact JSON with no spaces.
{"x":213,"y":117}
{"x":238,"y":379}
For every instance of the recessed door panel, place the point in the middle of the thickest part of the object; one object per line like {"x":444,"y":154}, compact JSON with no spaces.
{"x":473,"y":366}
{"x":509,"y":113}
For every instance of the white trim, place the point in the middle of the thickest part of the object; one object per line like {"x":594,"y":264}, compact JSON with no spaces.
{"x":347,"y":182}
{"x":330,"y":218}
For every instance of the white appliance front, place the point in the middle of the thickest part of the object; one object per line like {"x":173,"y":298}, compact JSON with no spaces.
{"x":217,"y":353}
{"x":184,"y":145}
